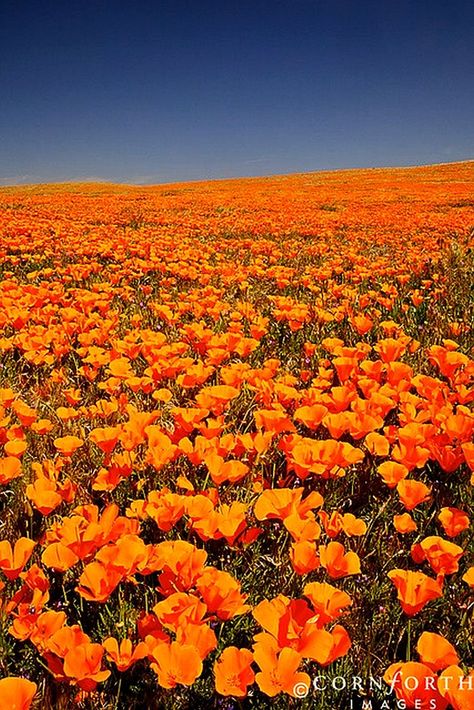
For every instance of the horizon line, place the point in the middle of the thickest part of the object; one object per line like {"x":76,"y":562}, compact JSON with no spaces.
{"x":107,"y":181}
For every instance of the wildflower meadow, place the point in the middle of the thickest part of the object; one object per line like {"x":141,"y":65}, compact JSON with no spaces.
{"x":237,"y":443}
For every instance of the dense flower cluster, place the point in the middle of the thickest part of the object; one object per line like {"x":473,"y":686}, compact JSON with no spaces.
{"x":237,"y":435}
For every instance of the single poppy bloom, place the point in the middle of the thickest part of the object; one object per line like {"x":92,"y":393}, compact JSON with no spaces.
{"x":454,"y":521}
{"x":304,"y":556}
{"x":44,"y":495}
{"x":412,"y":493}
{"x":328,"y":602}
{"x":352,"y":526}
{"x":10,"y":468}
{"x":15,"y":447}
{"x":324,"y":646}
{"x":311,"y":416}
{"x":436,"y":652}
{"x":392,"y":472}
{"x":278,"y":670}
{"x":176,"y":664}
{"x":414,"y":589}
{"x":105,"y":437}
{"x":97,"y":582}
{"x":442,"y":555}
{"x":17,"y":693}
{"x":12,"y":561}
{"x":404,"y":523}
{"x":468,"y":577}
{"x":456,"y":688}
{"x":275,"y":421}
{"x":222,"y":471}
{"x":302,"y":528}
{"x":67,"y":445}
{"x":124,"y":655}
{"x":178,"y":609}
{"x":201,"y":636}
{"x":25,"y":414}
{"x":221,"y":593}
{"x":337,"y":562}
{"x":233,"y":672}
{"x":415,"y":685}
{"x":82,"y":665}
{"x":47,"y":624}
{"x":59,"y":557}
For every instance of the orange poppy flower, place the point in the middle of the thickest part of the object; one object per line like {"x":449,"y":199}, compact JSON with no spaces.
{"x":216,"y":398}
{"x":304,"y":556}
{"x":415,"y":685}
{"x":46,"y":625}
{"x":392,"y":472}
{"x":176,"y":664}
{"x":59,"y":557}
{"x":414,"y":589}
{"x":285,"y":619}
{"x":412,"y":493}
{"x":67,"y":445}
{"x":362,"y":324}
{"x":221,"y":593}
{"x":44,"y":496}
{"x":233,"y":672}
{"x":97,"y":582}
{"x":160,"y":448}
{"x":377,"y":444}
{"x":25,"y":414}
{"x":12,"y":561}
{"x":180,"y":608}
{"x":181,"y":564}
{"x":328,"y":602}
{"x":7,"y":396}
{"x":324,"y":646}
{"x":457,"y":688}
{"x":10,"y":468}
{"x":468,"y":451}
{"x":282,"y":502}
{"x":468,"y":577}
{"x":222,"y":471}
{"x":337,"y":562}
{"x":311,"y":416}
{"x":278,"y":671}
{"x":404,"y":523}
{"x":42,"y":426}
{"x":82,"y":665}
{"x":125,"y":556}
{"x":15,"y":447}
{"x":302,"y":528}
{"x":105,"y":437}
{"x":275,"y":421}
{"x":442,"y":555}
{"x":390,"y":349}
{"x":164,"y":508}
{"x":17,"y":693}
{"x":436,"y":652}
{"x":124,"y":655}
{"x":332,"y":523}
{"x":352,"y":526}
{"x":201,"y":636}
{"x":453,"y":520}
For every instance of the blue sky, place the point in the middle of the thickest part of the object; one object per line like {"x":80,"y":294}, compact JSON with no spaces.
{"x":146,"y":92}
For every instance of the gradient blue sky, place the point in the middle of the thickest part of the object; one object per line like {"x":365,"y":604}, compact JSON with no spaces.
{"x":164,"y":91}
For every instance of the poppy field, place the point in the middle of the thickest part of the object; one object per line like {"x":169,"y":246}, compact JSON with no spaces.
{"x":237,"y":443}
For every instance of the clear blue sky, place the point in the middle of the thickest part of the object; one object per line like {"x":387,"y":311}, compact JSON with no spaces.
{"x":171,"y":90}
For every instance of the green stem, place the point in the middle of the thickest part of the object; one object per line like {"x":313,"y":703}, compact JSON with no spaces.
{"x":409,"y":640}
{"x":117,"y":697}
